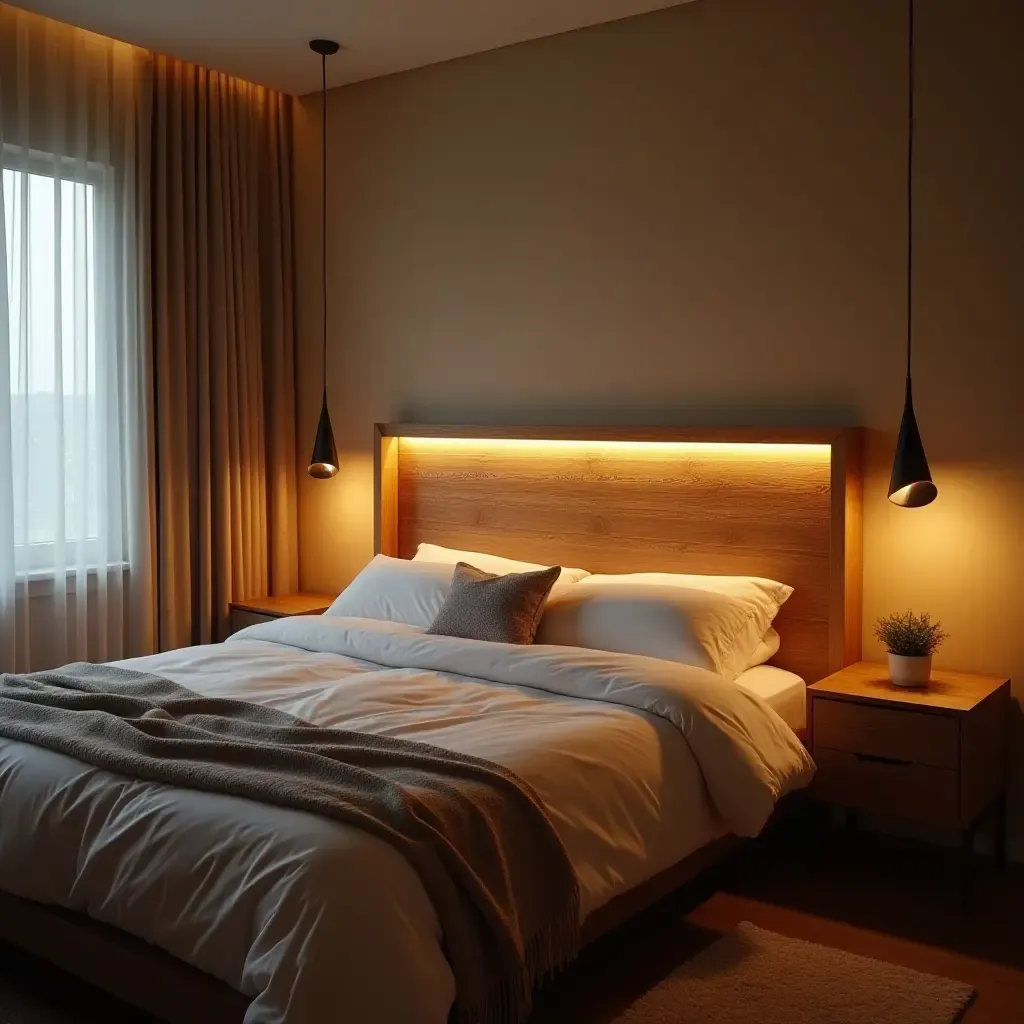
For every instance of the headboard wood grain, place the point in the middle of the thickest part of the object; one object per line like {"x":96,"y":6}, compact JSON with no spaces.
{"x":778,"y":503}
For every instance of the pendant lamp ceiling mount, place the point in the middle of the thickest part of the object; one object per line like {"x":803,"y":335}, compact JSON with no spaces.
{"x":324,"y":47}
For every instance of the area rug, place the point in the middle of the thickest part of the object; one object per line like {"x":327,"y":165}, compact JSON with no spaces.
{"x":756,"y":977}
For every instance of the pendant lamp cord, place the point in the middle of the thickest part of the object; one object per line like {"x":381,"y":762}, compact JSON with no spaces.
{"x":323,"y":194}
{"x":910,"y":184}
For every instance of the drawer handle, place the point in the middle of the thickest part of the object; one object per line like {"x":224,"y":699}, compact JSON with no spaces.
{"x":878,"y":759}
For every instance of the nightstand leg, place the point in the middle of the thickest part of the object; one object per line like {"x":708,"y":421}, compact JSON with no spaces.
{"x":967,"y":869}
{"x":999,"y":848}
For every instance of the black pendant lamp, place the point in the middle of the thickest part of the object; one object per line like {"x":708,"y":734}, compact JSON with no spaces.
{"x":911,"y":482}
{"x":323,"y":463}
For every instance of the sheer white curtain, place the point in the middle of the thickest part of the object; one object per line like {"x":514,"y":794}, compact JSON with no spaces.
{"x":75,"y":519}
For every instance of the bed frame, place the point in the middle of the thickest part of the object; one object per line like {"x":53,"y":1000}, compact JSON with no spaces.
{"x":785,"y":504}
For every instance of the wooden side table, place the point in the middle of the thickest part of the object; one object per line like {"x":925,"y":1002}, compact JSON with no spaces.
{"x":264,"y":609}
{"x":936,"y":755}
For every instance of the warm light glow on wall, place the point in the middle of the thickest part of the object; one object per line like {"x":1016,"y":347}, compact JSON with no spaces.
{"x":637,"y":449}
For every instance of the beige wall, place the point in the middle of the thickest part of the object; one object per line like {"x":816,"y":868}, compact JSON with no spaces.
{"x":695,"y":216}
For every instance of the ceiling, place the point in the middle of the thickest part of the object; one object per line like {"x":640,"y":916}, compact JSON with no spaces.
{"x":265,"y":41}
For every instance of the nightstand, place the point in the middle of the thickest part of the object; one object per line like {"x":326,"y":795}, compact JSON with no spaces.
{"x":264,"y":609}
{"x":936,"y":756}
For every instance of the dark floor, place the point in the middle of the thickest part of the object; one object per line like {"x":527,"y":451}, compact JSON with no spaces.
{"x":891,"y":899}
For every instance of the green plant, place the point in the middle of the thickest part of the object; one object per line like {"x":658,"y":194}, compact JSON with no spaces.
{"x":913,"y":636}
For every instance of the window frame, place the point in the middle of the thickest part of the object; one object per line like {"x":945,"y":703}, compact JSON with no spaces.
{"x":35,"y":562}
{"x":34,"y":161}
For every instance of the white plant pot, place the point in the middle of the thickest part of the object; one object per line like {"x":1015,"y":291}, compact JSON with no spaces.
{"x":906,"y":671}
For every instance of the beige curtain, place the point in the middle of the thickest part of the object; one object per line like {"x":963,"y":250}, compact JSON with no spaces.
{"x":223,"y":348}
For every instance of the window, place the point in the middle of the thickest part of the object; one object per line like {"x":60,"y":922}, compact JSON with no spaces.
{"x":58,"y":434}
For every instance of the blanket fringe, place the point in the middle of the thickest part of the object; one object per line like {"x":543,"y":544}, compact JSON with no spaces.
{"x":548,"y":953}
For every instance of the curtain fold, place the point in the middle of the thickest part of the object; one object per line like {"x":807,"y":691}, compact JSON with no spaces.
{"x":76,"y":521}
{"x":223,"y":347}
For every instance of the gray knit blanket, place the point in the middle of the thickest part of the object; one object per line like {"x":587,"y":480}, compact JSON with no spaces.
{"x":498,"y":876}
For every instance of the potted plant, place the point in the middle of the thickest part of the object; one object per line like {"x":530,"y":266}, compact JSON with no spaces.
{"x":911,"y":640}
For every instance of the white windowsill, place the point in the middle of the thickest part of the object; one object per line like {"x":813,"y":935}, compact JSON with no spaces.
{"x":43,"y":582}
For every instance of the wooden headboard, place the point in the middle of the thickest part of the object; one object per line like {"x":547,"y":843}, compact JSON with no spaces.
{"x":785,"y":504}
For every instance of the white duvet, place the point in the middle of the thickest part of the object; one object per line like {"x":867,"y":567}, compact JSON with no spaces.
{"x":637,"y":761}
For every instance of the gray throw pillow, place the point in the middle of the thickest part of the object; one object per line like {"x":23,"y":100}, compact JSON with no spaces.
{"x":502,"y":609}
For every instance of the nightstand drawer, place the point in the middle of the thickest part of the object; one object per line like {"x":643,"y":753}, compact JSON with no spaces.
{"x":900,"y":789}
{"x":915,"y":736}
{"x":242,"y":617}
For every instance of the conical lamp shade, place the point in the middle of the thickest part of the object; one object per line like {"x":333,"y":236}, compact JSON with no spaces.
{"x":911,"y":482}
{"x":323,"y":463}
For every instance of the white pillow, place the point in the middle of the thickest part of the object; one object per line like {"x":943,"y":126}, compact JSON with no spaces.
{"x":397,"y":590}
{"x":490,"y":563}
{"x":765,"y":650}
{"x":712,"y":622}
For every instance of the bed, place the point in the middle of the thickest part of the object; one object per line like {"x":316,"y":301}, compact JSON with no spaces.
{"x":624,"y":789}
